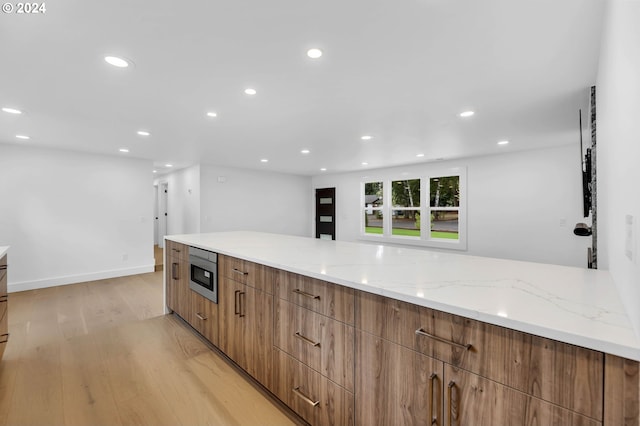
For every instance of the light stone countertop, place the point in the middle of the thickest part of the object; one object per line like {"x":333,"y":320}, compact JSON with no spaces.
{"x":3,"y":250}
{"x":572,"y":305}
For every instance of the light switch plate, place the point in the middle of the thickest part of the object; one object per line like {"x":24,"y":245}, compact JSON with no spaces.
{"x":628,"y":237}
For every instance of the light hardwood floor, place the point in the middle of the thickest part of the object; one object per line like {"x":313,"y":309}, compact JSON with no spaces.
{"x":102,"y":353}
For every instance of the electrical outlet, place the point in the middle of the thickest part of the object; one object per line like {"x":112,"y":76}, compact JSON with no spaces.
{"x":628,"y":237}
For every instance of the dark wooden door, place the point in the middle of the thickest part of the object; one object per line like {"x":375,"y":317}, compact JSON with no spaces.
{"x":326,"y":213}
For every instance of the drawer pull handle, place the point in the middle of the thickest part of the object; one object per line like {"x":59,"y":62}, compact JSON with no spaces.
{"x":176,"y":250}
{"x":421,"y":332}
{"x":305,"y":294}
{"x":434,"y":420}
{"x":174,"y":271}
{"x":306,"y":339}
{"x":296,"y":390}
{"x":450,"y":387}
{"x":4,"y":338}
{"x":4,"y":299}
{"x":238,"y":271}
{"x":3,"y":267}
{"x":199,"y":315}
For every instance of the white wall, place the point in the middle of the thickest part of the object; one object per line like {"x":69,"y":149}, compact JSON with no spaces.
{"x":618,"y":149}
{"x":515,"y":203}
{"x":183,"y":201}
{"x":255,"y":201}
{"x":71,"y":217}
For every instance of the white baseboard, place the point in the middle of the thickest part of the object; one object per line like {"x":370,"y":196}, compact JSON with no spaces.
{"x":74,"y":279}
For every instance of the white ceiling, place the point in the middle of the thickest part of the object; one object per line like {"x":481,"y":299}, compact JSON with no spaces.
{"x":398,"y":70}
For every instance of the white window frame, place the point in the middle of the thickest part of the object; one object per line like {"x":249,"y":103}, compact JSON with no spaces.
{"x":425,"y":209}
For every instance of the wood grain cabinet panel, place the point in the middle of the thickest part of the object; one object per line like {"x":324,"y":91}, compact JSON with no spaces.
{"x":322,"y":343}
{"x":470,"y":399}
{"x":254,"y":275}
{"x":203,"y":316}
{"x":246,"y":328}
{"x":560,"y":373}
{"x":177,"y":276}
{"x":315,"y":398}
{"x":396,"y":385}
{"x":328,"y":299}
{"x":622,"y":391}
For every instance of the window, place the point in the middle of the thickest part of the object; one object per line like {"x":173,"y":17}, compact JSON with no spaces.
{"x":373,"y":206}
{"x":405,"y":215}
{"x":426,"y":210}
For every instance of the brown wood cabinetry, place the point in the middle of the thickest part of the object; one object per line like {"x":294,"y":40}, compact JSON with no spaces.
{"x":252,"y":274}
{"x":550,"y":379}
{"x":314,"y":397}
{"x":203,"y":316}
{"x":178,"y":293}
{"x":4,"y":306}
{"x":246,"y":321}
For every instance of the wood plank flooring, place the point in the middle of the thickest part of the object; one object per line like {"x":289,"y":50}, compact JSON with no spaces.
{"x":102,"y":353}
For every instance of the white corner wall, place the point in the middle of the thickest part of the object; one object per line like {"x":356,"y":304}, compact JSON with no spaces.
{"x":183,"y":201}
{"x":618,"y":149}
{"x":72,"y":217}
{"x":521,"y":205}
{"x":240,"y":199}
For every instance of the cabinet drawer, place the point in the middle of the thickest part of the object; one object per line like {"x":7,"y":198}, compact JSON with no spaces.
{"x":314,"y":397}
{"x":473,"y":400}
{"x":3,"y":276}
{"x":563,"y":374}
{"x":252,"y":274}
{"x":324,"y":344}
{"x":203,"y":316}
{"x":4,"y":331}
{"x":177,"y":250}
{"x":328,"y":299}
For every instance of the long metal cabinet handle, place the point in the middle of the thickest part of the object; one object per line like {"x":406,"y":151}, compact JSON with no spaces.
{"x":4,"y":299}
{"x":305,"y":294}
{"x":238,"y":271}
{"x":432,"y":381}
{"x":174,"y":271}
{"x":199,"y":315}
{"x":3,"y":267}
{"x":242,"y":293}
{"x":306,"y":399}
{"x":306,"y":339}
{"x":236,"y":305}
{"x":450,"y":387}
{"x":4,"y":338}
{"x":421,"y":332}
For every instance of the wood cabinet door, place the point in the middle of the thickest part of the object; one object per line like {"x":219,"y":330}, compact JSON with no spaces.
{"x":203,"y":316}
{"x":171,"y":270}
{"x":470,"y":399}
{"x":257,"y":308}
{"x":231,"y":324}
{"x":396,"y":385}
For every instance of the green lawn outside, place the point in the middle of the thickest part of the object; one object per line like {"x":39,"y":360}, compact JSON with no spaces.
{"x":413,"y":233}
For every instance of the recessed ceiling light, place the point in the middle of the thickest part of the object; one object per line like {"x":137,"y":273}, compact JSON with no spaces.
{"x":11,"y":110}
{"x":143,"y":133}
{"x":168,"y":165}
{"x":117,"y":61}
{"x":364,"y":163}
{"x":250,"y":91}
{"x":466,"y":114}
{"x":305,"y":151}
{"x":503,"y":142}
{"x":124,"y":150}
{"x":155,"y":171}
{"x":23,"y":137}
{"x":314,"y":53}
{"x":324,"y":169}
{"x":420,"y":155}
{"x":264,"y":160}
{"x":365,"y":138}
{"x":212,"y":114}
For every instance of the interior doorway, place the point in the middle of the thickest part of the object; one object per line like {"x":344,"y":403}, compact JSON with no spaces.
{"x":326,"y":213}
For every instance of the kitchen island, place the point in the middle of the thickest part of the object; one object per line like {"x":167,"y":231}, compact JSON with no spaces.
{"x":480,"y":321}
